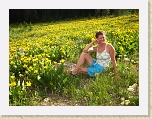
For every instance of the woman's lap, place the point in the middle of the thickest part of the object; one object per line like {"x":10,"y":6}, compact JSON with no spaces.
{"x":94,"y":68}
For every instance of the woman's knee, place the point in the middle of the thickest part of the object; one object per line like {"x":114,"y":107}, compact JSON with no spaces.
{"x":84,"y":53}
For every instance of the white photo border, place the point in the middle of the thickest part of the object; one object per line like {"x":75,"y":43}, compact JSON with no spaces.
{"x":142,"y":109}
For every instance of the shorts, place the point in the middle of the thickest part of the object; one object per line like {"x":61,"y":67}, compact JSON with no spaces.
{"x":95,"y":68}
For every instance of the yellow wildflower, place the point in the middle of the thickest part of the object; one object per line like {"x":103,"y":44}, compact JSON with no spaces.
{"x":12,"y":62}
{"x":28,"y":83}
{"x":35,"y":71}
{"x":34,"y":60}
{"x":63,"y":51}
{"x":22,"y":59}
{"x":62,"y":61}
{"x":31,"y":68}
{"x":47,"y":55}
{"x":45,"y":67}
{"x":118,"y":43}
{"x":121,"y":48}
{"x":13,"y":83}
{"x":13,"y":77}
{"x":55,"y":62}
{"x":25,"y":60}
{"x":29,"y":59}
{"x":24,"y":66}
{"x":10,"y":58}
{"x":42,"y":63}
{"x":34,"y":64}
{"x":39,"y":56}
{"x":90,"y":93}
{"x":48,"y":61}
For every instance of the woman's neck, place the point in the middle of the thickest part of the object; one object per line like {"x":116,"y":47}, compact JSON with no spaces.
{"x":103,"y":43}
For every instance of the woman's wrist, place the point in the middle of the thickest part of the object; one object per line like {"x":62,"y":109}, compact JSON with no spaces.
{"x":93,"y":41}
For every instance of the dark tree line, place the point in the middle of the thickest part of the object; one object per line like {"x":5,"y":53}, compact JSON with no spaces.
{"x":42,"y":15}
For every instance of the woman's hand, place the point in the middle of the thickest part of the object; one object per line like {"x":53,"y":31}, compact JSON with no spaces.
{"x":89,"y":45}
{"x":94,"y":41}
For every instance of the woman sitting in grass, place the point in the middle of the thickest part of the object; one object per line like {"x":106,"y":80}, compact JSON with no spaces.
{"x":105,"y":54}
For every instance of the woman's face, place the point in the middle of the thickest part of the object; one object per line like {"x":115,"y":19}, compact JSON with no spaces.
{"x":100,"y":39}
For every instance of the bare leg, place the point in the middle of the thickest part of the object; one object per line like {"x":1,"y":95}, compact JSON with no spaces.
{"x":83,"y":70}
{"x":83,"y":57}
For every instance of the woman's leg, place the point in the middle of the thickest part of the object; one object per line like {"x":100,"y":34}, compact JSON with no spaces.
{"x":83,"y":57}
{"x":83,"y":70}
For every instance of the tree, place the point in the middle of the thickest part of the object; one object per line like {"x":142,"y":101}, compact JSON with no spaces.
{"x":105,"y":12}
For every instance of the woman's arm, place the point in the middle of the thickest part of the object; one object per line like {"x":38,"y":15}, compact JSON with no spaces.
{"x":88,"y":48}
{"x":112,"y":54}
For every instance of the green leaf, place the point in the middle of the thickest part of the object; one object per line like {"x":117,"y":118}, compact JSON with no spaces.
{"x":10,"y":93}
{"x":65,"y":80}
{"x":38,"y":77}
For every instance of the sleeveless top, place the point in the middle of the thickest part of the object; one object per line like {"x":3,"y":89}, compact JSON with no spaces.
{"x":103,"y":58}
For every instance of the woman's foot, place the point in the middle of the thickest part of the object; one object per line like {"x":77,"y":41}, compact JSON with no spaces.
{"x":74,"y":73}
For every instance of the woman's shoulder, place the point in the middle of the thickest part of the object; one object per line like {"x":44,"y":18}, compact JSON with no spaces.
{"x":109,"y":45}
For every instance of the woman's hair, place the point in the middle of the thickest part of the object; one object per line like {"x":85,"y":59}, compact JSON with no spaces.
{"x":101,"y":32}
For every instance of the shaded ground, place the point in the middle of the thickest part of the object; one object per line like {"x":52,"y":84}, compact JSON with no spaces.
{"x":56,"y":100}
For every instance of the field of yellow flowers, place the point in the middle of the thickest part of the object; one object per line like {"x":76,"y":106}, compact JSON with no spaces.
{"x":37,"y":53}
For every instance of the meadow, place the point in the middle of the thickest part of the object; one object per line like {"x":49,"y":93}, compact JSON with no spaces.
{"x":38,"y":53}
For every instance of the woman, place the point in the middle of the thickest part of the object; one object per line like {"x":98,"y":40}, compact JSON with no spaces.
{"x":105,"y":54}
